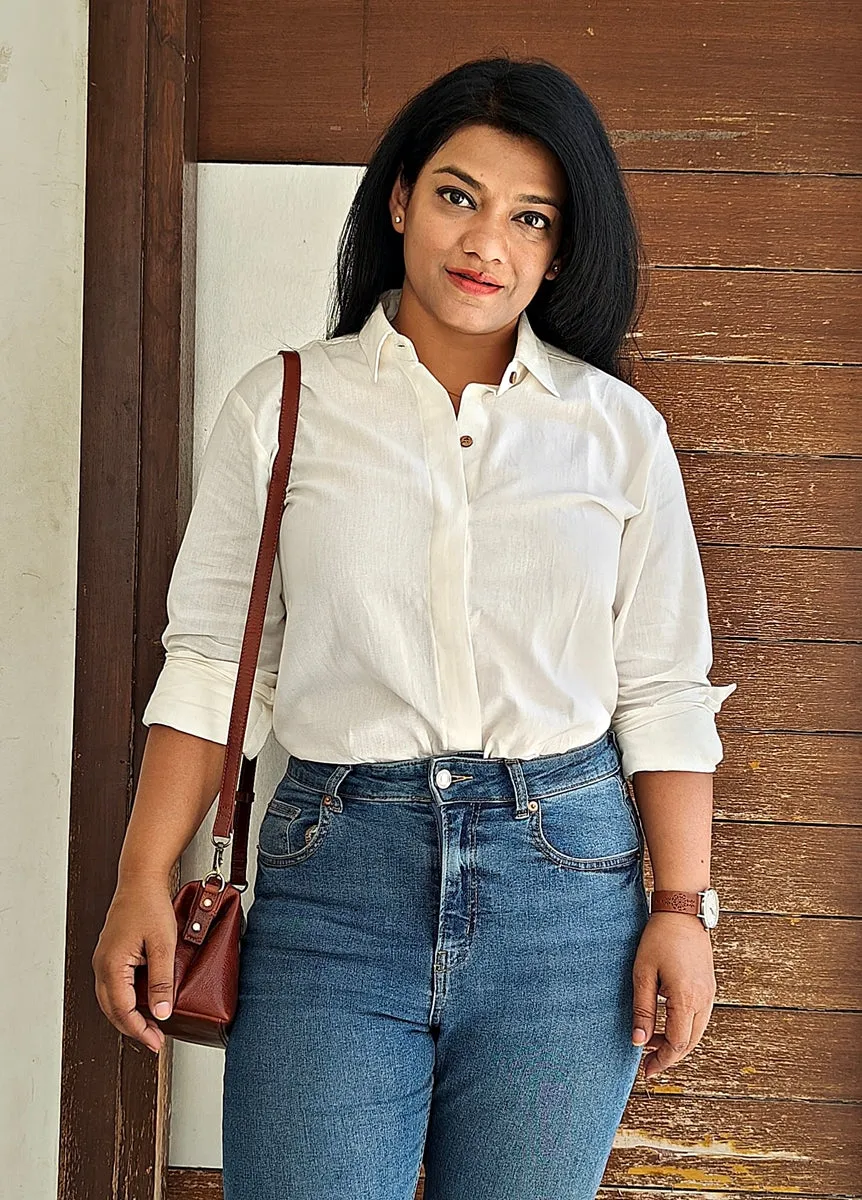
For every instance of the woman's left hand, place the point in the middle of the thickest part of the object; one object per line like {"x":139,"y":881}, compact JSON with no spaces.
{"x":674,"y":960}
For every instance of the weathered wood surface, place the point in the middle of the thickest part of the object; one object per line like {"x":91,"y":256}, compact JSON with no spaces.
{"x":707,"y":87}
{"x":789,"y":777}
{"x":753,"y":316}
{"x":748,"y":201}
{"x":767,"y":408}
{"x":136,"y":422}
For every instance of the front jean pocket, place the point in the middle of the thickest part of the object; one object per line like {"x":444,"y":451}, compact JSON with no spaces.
{"x":295,"y":825}
{"x":588,"y":827}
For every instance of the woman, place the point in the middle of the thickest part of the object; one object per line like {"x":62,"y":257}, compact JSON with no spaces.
{"x":488,"y":622}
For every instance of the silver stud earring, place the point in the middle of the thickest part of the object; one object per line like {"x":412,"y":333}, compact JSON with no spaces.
{"x":397,"y":220}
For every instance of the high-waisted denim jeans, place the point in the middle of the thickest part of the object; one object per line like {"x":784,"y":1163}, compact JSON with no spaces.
{"x":437,"y":966}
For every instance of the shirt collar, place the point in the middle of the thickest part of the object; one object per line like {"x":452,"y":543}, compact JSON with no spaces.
{"x":530,"y":350}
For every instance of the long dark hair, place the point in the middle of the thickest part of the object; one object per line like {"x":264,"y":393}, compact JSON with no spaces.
{"x":592,"y":305}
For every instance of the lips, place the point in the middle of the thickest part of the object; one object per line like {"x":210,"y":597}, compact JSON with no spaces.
{"x":470,"y":283}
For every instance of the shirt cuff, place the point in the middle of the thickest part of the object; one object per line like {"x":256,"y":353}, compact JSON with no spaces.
{"x":195,"y":695}
{"x":676,"y":734}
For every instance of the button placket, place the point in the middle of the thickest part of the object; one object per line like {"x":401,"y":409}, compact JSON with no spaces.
{"x":449,"y":555}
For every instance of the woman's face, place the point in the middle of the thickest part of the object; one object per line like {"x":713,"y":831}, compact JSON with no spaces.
{"x":490,"y":203}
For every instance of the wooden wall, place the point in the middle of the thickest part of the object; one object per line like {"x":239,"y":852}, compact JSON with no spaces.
{"x":738,"y":126}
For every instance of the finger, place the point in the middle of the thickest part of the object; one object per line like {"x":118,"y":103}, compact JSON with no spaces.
{"x":679,"y":1021}
{"x":673,"y":1049}
{"x":117,"y":1001}
{"x":648,"y":1061}
{"x":653,"y":1064}
{"x":160,"y":978}
{"x":643,"y":1008}
{"x":701,"y":1021}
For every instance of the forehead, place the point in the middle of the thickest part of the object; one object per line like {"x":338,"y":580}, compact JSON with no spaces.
{"x":499,"y":160}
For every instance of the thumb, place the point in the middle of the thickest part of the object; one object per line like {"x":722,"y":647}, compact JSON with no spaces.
{"x":160,"y":979}
{"x":644,"y":1010}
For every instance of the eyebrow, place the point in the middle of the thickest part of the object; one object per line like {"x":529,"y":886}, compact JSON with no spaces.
{"x":529,"y":198}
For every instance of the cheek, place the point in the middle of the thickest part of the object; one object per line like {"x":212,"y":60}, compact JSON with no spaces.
{"x":530,"y":273}
{"x":428,"y":231}
{"x":423,"y":252}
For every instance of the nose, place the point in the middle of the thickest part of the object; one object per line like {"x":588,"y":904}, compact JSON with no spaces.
{"x":487,"y":237}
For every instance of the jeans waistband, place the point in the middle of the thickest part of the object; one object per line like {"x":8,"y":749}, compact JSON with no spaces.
{"x":462,"y":775}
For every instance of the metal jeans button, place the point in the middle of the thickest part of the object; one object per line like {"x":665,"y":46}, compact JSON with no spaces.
{"x":443,"y":778}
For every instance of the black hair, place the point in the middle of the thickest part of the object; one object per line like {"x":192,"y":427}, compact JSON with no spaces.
{"x":594,"y":302}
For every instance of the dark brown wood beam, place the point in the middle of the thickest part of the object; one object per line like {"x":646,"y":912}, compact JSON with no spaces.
{"x":135,"y":493}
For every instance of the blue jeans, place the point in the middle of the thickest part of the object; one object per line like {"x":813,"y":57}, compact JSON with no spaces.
{"x":437,"y":966}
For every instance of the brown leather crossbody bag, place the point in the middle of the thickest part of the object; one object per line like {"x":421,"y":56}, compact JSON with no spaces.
{"x":209,"y":912}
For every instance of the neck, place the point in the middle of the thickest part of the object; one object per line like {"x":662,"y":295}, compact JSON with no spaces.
{"x":453,"y":357}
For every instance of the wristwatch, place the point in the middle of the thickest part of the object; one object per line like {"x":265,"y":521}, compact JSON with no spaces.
{"x":700,"y":904}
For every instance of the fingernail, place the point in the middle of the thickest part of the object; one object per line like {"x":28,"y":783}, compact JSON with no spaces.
{"x":162,"y":1010}
{"x":639,"y":1036}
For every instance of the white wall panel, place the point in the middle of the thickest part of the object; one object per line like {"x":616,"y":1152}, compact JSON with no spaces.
{"x":267,"y":237}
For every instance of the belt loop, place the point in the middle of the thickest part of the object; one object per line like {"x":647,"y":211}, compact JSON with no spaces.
{"x":519,"y":786}
{"x":333,"y":783}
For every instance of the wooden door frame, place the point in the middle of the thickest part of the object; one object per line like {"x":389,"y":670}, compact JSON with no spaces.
{"x":135,"y":496}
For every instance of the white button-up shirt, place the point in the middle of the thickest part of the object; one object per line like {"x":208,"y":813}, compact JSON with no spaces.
{"x":513,"y":578}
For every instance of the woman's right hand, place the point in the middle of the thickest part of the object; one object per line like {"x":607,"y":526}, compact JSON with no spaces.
{"x":140,"y":927}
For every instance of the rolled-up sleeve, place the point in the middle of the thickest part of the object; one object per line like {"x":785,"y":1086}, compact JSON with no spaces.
{"x":665,"y":714}
{"x":210,"y":586}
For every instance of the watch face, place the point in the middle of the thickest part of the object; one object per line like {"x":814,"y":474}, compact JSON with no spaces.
{"x":710,"y":908}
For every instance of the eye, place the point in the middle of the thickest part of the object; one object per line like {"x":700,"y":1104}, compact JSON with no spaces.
{"x":542,"y":217}
{"x":453,"y":191}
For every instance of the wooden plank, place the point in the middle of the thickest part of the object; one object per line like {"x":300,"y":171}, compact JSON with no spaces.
{"x":773,"y":593}
{"x":786,"y":868}
{"x":194,"y":1183}
{"x":756,"y":407}
{"x":93,"y":1055}
{"x":779,"y":776}
{"x":748,"y":316}
{"x":778,"y":95}
{"x":302,"y":65}
{"x":727,"y":1145}
{"x":789,"y":961}
{"x":722,"y":219}
{"x":166,"y":402}
{"x":807,"y":687}
{"x":660,"y":1193}
{"x":773,"y":500}
{"x":137,"y":325}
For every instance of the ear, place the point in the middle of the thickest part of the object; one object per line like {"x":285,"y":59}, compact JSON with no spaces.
{"x":399,"y":198}
{"x":553,"y":270}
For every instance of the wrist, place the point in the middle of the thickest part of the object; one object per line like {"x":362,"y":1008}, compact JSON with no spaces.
{"x":132,"y":874}
{"x":702,"y":904}
{"x":679,"y":884}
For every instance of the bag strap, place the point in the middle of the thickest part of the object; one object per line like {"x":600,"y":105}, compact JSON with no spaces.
{"x":236,"y":793}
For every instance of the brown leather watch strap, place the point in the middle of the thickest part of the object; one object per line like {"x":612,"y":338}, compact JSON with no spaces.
{"x":236,"y":793}
{"x":682,"y":902}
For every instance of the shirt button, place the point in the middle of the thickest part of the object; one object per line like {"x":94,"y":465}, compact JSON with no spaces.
{"x":466,"y":440}
{"x":443,"y":778}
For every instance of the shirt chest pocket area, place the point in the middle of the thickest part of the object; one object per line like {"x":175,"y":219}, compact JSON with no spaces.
{"x":592,"y":826}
